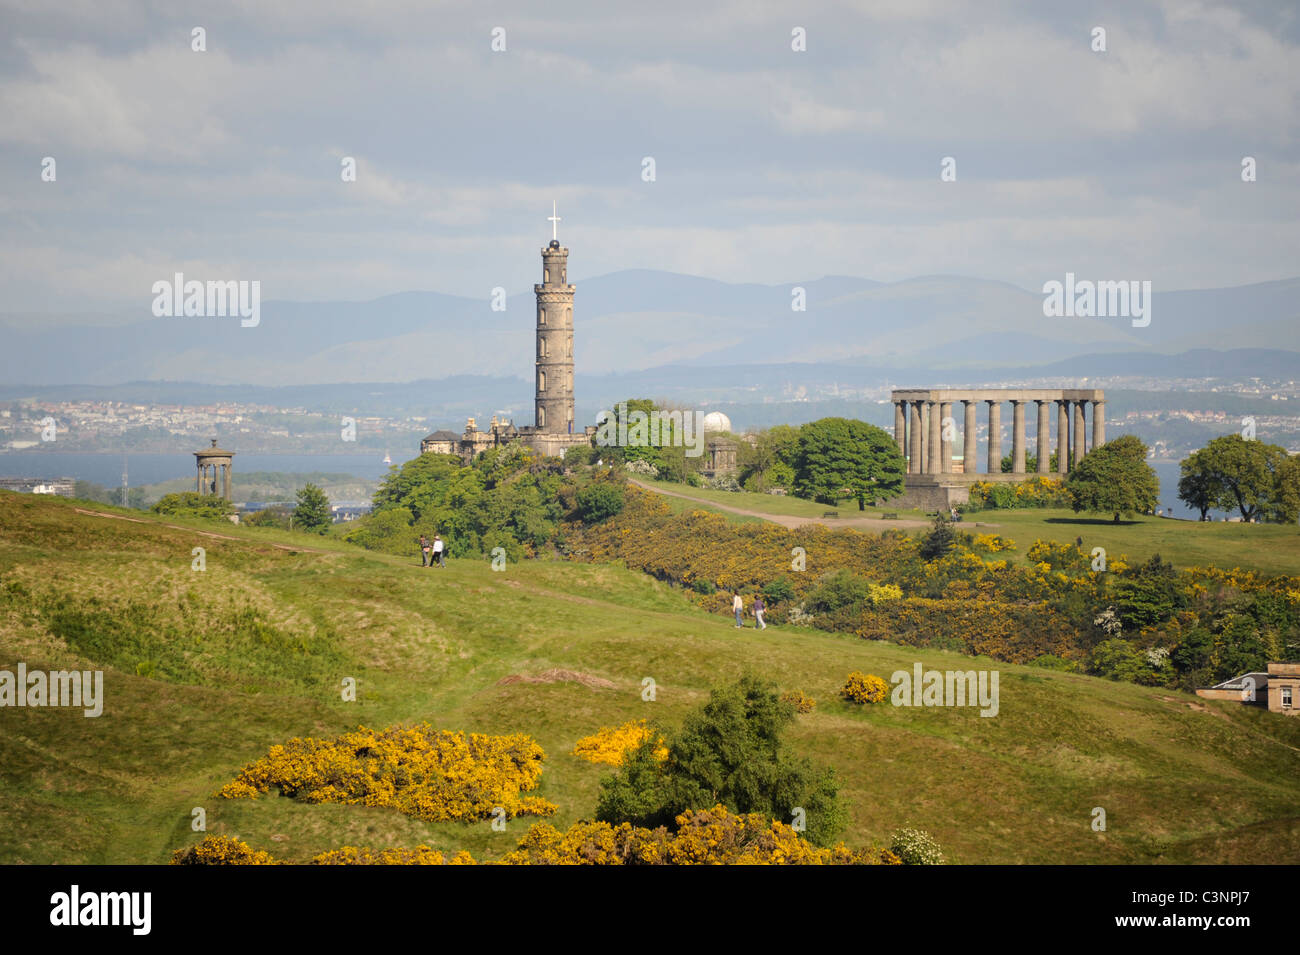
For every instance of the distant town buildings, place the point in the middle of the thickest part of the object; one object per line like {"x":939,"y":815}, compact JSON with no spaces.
{"x":63,"y":487}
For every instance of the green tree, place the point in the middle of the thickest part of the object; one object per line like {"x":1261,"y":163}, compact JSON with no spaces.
{"x":599,"y":501}
{"x":193,"y":504}
{"x":1115,"y":479}
{"x":313,"y":510}
{"x":940,"y":541}
{"x":1244,"y":473}
{"x":769,"y":461}
{"x":633,"y":450}
{"x":1149,"y":594}
{"x":728,"y":751}
{"x":1199,"y":486}
{"x":840,"y":457}
{"x":1285,"y":508}
{"x":838,"y":590}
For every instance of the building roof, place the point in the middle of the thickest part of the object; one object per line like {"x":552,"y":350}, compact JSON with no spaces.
{"x":443,"y":436}
{"x":1238,"y":682}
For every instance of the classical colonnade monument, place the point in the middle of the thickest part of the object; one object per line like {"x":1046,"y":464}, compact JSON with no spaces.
{"x":927,"y":433}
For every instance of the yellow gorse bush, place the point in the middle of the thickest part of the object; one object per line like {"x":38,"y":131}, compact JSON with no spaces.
{"x":420,"y":855}
{"x":609,"y":746}
{"x":714,"y":836}
{"x":864,"y":688}
{"x":418,"y":770}
{"x":221,"y":850}
{"x":800,"y":702}
{"x":993,"y":543}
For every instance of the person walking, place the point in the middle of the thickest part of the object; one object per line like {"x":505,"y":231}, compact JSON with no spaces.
{"x":759,"y":607}
{"x":738,"y":605}
{"x":439,"y":549}
{"x":426,"y":552}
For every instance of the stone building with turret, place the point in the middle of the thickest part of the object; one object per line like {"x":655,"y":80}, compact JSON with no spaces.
{"x":554,"y":430}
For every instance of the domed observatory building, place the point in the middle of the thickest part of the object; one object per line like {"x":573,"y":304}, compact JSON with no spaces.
{"x":719,"y":451}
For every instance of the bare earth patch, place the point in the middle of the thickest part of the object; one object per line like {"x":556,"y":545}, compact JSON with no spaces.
{"x":555,"y":675}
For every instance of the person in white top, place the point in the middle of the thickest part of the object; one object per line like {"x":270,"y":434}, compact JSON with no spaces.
{"x":738,"y":605}
{"x":438,"y":550}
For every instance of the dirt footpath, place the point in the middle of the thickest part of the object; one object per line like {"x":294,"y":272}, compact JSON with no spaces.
{"x":874,"y":524}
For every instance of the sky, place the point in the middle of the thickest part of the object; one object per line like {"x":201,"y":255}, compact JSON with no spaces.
{"x":771,"y":165}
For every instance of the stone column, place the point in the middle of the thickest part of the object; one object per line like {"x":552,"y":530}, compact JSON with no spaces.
{"x":1044,"y":444}
{"x":1080,"y":433}
{"x":1017,"y":436}
{"x":198,"y":478}
{"x":936,"y":429}
{"x":968,"y":453}
{"x":1098,"y":424}
{"x":914,"y":441}
{"x":945,"y":437}
{"x":226,"y":467}
{"x":900,"y":428}
{"x":995,"y":437}
{"x":1062,"y":436}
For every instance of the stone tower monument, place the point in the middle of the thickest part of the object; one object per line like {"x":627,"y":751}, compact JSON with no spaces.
{"x":554,"y":402}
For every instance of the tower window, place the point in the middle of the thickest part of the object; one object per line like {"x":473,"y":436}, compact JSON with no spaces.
{"x":546,"y":276}
{"x":541,"y":417}
{"x":541,"y":348}
{"x":541,"y":381}
{"x":541,"y":316}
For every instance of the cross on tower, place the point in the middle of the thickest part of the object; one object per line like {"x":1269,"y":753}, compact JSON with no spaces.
{"x":553,"y":219}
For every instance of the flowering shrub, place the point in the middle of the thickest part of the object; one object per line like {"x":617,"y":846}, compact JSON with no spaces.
{"x":992,"y":543}
{"x":611,"y":745}
{"x":1057,"y":556}
{"x":420,"y":855}
{"x":801,"y":703}
{"x":432,"y":774}
{"x":864,"y":688}
{"x":221,"y":850}
{"x":704,"y":837}
{"x":970,"y":599}
{"x":916,"y":847}
{"x":1035,"y":492}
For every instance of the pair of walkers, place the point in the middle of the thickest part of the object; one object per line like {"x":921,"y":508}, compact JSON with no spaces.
{"x":434,"y":552}
{"x":738,"y":605}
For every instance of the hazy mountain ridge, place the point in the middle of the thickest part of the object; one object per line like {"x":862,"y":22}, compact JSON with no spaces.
{"x":637,"y":320}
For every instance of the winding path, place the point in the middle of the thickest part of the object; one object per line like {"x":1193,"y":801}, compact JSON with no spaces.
{"x":788,"y":520}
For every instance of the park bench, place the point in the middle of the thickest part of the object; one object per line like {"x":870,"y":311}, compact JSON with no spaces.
{"x":831,"y":514}
{"x":891,"y":516}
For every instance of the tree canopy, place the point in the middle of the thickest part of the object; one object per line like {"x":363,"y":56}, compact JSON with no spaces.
{"x":313,"y":510}
{"x":729,"y":751}
{"x":840,"y":457}
{"x":1115,"y":479}
{"x":1257,"y":479}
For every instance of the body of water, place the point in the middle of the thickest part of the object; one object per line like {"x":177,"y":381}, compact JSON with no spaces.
{"x":106,"y":468}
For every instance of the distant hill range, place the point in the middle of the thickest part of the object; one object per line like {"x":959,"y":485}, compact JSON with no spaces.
{"x":671,"y":328}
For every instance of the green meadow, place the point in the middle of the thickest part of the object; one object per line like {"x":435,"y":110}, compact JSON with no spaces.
{"x":205,"y":670}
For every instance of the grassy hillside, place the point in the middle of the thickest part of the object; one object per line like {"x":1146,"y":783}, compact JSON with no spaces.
{"x":1270,"y":548}
{"x":252,"y":651}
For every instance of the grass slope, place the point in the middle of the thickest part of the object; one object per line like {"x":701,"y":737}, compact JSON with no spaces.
{"x":1269,"y":548}
{"x":255,"y":647}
